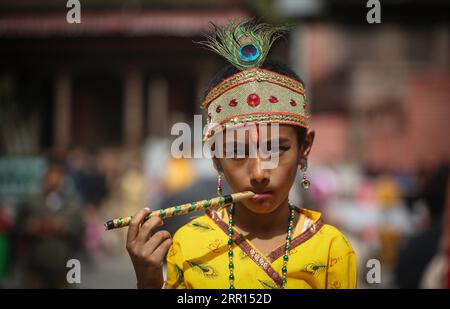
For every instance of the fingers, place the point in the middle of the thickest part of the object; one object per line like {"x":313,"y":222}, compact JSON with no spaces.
{"x":161,"y":251}
{"x":156,"y":240}
{"x":133,"y":229}
{"x":147,"y":250}
{"x":146,"y":228}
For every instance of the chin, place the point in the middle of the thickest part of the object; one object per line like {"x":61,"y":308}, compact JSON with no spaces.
{"x":261,"y":207}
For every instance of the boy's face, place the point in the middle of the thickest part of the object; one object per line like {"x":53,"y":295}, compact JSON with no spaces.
{"x":248,"y":174}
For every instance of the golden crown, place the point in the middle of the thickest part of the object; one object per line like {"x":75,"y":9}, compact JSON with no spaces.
{"x":254,"y":94}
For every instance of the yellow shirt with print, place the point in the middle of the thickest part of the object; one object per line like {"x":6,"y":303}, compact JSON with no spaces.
{"x":320,"y":257}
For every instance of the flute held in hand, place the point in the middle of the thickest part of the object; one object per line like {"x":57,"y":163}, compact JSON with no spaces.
{"x":183,"y":209}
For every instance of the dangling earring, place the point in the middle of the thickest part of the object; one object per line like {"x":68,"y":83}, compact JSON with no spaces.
{"x":219,"y":184}
{"x":305,"y":181}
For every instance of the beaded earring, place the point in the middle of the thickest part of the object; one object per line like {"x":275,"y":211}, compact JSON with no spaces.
{"x":219,"y":184}
{"x":305,"y":181}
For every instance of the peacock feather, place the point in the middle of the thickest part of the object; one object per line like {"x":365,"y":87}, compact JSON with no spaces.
{"x":315,"y":268}
{"x":244,"y":44}
{"x":204,"y":269}
{"x":201,"y":226}
{"x":267,"y":284}
{"x":179,"y":273}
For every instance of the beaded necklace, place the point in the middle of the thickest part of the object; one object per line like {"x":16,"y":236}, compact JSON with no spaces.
{"x":286,"y":247}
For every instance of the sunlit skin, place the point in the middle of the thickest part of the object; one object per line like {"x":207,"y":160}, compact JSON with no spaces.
{"x":263,"y":219}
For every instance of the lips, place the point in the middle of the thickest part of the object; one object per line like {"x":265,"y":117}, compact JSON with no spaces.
{"x":262,"y":196}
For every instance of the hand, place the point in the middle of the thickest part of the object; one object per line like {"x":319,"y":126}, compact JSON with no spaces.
{"x":147,"y":251}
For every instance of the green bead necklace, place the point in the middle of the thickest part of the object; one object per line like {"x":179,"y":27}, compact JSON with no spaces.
{"x":287,"y":246}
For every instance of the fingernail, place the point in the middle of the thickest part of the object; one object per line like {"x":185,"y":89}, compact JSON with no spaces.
{"x":148,"y":209}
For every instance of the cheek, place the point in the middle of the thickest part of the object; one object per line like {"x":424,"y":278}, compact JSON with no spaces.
{"x":289,"y":159}
{"x":284,"y":174}
{"x":287,"y":167}
{"x":235,"y":173}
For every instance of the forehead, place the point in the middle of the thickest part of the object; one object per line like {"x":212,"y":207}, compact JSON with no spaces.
{"x":256,"y":132}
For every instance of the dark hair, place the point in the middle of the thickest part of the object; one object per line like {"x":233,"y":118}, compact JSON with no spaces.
{"x":274,"y":66}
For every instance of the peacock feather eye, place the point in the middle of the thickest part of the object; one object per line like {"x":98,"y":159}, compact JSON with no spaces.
{"x":248,"y":53}
{"x":244,"y":44}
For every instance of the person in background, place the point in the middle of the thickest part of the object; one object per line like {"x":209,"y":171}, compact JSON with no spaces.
{"x":417,"y":253}
{"x":50,"y":231}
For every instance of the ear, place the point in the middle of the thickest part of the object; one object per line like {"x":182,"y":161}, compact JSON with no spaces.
{"x":305,"y":148}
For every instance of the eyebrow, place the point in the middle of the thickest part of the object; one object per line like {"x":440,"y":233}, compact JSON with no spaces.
{"x":281,"y":140}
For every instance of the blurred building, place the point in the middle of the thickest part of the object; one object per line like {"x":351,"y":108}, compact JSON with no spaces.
{"x":130,"y":69}
{"x":124,"y":73}
{"x":378,"y":93}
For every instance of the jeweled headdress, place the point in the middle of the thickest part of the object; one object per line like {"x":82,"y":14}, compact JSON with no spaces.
{"x":254,"y":94}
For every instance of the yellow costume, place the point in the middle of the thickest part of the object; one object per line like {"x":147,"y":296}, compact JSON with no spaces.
{"x":320,"y":256}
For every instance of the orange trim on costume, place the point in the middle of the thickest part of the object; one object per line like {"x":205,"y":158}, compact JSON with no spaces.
{"x":242,"y":243}
{"x":297,"y":241}
{"x":245,"y":246}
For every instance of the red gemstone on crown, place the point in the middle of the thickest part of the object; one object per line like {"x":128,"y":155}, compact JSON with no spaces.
{"x":253,"y":100}
{"x":218,"y":108}
{"x":273,"y":99}
{"x":293,"y":103}
{"x":232,"y":103}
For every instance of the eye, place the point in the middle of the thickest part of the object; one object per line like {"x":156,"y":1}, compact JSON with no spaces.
{"x":279,"y":149}
{"x":243,"y":150}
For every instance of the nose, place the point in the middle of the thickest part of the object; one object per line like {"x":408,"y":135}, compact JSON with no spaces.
{"x":258,"y":176}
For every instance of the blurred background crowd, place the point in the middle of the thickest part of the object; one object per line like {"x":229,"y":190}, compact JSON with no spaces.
{"x":86,"y":111}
